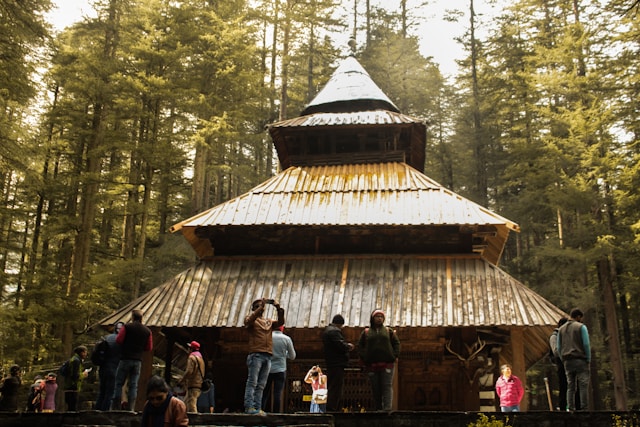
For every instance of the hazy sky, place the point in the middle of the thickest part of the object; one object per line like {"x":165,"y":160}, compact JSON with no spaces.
{"x":437,"y":36}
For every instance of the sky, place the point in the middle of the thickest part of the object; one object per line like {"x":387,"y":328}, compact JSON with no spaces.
{"x":437,"y":36}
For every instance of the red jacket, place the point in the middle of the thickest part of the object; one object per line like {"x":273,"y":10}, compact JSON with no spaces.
{"x":509,"y":391}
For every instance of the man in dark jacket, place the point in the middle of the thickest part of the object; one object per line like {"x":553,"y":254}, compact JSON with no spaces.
{"x":108,"y":368}
{"x":336,"y":356}
{"x":134,"y":339}
{"x":73,"y":382}
{"x":9,"y":389}
{"x":379,"y":348}
{"x":574,"y":349}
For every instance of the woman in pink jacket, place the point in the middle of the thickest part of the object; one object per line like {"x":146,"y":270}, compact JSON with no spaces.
{"x":509,"y":390}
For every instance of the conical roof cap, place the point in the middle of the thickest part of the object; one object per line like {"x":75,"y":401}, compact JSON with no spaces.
{"x":350,"y":89}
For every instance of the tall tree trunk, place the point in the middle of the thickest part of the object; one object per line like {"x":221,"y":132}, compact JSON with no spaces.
{"x":478,"y":137}
{"x":606,"y":276}
{"x":284,"y":75}
{"x":89,"y":187}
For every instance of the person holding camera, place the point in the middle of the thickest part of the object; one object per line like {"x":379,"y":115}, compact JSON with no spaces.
{"x":260,"y":351}
{"x":318,"y":382}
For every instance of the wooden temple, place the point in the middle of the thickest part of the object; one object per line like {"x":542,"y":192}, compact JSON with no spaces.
{"x":351,"y":224}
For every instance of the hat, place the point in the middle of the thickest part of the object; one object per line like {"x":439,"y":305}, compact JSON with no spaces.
{"x":51,"y":375}
{"x":194,"y":345}
{"x":338,"y":320}
{"x":376,"y":312}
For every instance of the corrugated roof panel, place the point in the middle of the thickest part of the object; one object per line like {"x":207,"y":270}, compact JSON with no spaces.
{"x":413,"y":291}
{"x":348,"y":195}
{"x":357,"y":118}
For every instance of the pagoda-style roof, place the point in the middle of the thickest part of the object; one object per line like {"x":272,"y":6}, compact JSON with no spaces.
{"x":350,"y":121}
{"x":349,"y":89}
{"x":414,"y":292}
{"x":381,"y":208}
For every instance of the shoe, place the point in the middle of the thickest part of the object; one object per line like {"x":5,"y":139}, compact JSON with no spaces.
{"x":261,"y":412}
{"x":252,"y":411}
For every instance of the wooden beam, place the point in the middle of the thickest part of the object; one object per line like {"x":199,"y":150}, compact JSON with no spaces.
{"x":519,"y":363}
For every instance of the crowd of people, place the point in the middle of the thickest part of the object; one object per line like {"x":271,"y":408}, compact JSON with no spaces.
{"x":119,"y":357}
{"x":379,"y":348}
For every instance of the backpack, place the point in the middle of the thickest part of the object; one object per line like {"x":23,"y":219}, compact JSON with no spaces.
{"x":553,"y":359}
{"x":99,"y":354}
{"x":65,"y":369}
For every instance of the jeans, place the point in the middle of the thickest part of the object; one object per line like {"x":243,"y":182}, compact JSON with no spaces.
{"x":335,"y":383}
{"x":314,"y":408}
{"x":258,"y":366}
{"x":107,"y":375}
{"x":514,"y":408}
{"x":577,"y":371}
{"x":382,"y":388}
{"x":277,"y":379}
{"x":131,"y":369}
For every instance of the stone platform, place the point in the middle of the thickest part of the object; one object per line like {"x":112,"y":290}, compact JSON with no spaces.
{"x":367,"y":419}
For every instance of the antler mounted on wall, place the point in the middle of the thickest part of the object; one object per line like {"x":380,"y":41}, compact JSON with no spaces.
{"x":472,"y":353}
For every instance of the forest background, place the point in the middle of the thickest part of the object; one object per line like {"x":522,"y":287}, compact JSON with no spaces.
{"x":150,"y":111}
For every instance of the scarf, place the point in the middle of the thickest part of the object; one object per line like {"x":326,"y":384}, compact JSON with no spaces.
{"x":155,"y":414}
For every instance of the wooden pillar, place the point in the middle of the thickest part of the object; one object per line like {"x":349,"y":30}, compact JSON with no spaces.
{"x":396,"y":381}
{"x":168,"y":358}
{"x":145,"y":374}
{"x":518,"y":363}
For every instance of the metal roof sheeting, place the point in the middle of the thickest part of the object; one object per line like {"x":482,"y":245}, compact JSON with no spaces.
{"x":413,"y":292}
{"x":416,"y":291}
{"x":349,"y":82}
{"x":367,"y":194}
{"x":380,"y":194}
{"x":357,"y":118}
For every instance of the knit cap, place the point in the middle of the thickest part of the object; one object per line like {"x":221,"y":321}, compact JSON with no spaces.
{"x":378,"y":312}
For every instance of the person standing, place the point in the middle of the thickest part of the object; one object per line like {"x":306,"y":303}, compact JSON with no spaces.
{"x":34,"y":398}
{"x":260,"y":351}
{"x":207,"y":399}
{"x":108,"y":368}
{"x":557,"y":362}
{"x":336,"y":356}
{"x":318,"y":382}
{"x":193,"y":376}
{"x":379,"y":348}
{"x":48,"y":401}
{"x":9,"y":390}
{"x":574,"y":348}
{"x":282,"y":350}
{"x":134,"y":339}
{"x":162,"y":408}
{"x":73,"y":383}
{"x":509,"y":390}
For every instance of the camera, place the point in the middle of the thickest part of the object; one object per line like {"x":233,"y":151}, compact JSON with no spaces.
{"x":314,"y":373}
{"x":270,"y":301}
